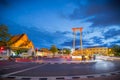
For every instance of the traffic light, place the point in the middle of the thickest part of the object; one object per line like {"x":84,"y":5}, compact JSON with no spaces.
{"x":1,"y":48}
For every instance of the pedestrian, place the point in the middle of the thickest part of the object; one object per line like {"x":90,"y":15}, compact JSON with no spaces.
{"x":94,"y":57}
{"x":83,"y":57}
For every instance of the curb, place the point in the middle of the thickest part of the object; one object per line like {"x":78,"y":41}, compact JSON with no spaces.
{"x":63,"y":77}
{"x":60,"y":62}
{"x":65,"y":62}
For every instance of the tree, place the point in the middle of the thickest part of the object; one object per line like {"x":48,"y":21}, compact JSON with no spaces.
{"x":67,"y":51}
{"x":53,"y":49}
{"x":4,"y":35}
{"x":116,"y":50}
{"x":45,"y":50}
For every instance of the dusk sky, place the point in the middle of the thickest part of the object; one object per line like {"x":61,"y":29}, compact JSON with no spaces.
{"x":48,"y":22}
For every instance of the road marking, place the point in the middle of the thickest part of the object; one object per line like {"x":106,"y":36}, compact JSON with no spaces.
{"x":5,"y":75}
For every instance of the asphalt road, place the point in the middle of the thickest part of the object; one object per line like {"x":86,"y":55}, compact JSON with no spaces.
{"x":45,"y":70}
{"x":71,"y":69}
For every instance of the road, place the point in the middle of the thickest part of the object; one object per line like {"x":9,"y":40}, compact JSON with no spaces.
{"x":60,"y":70}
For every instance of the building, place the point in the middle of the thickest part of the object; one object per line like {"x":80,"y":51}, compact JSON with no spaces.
{"x":20,"y":41}
{"x":97,"y":50}
{"x":92,"y":50}
{"x":44,"y":52}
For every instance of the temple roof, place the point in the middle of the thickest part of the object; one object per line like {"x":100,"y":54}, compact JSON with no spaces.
{"x":20,"y":40}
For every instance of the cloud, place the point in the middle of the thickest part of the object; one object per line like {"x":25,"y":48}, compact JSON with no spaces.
{"x":97,"y":40}
{"x":106,"y":37}
{"x":64,"y":32}
{"x":40,"y":37}
{"x":69,"y":43}
{"x":104,"y":16}
{"x":100,"y":12}
{"x":96,"y":17}
{"x":111,"y":33}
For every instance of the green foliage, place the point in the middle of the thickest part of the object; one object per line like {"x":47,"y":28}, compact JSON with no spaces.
{"x":116,"y":50}
{"x":53,"y":49}
{"x":66,"y":51}
{"x":20,"y":51}
{"x":4,"y":35}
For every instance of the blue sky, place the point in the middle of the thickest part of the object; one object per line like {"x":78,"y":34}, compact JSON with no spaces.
{"x":48,"y":22}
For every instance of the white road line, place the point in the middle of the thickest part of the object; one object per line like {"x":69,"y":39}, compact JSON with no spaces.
{"x":5,"y":75}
